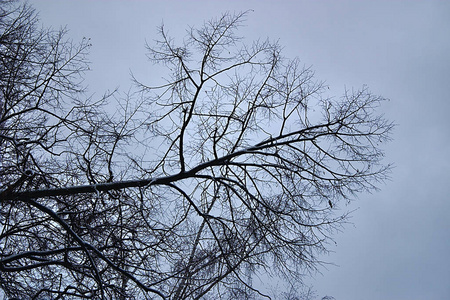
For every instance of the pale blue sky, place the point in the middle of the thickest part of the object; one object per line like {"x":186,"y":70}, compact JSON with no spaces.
{"x":398,"y":244}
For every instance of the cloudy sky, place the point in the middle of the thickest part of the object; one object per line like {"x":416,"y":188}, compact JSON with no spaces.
{"x":399,"y":242}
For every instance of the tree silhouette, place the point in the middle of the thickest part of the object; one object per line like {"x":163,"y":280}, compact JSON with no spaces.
{"x":234,"y":166}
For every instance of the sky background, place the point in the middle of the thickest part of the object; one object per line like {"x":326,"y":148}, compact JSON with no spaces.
{"x":399,"y":242}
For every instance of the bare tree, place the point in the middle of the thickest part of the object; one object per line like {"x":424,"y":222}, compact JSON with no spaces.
{"x":233,"y":167}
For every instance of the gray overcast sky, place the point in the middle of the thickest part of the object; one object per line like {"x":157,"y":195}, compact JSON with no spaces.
{"x":399,"y":244}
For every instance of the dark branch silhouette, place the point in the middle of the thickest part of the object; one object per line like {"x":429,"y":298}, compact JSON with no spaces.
{"x":237,"y":164}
